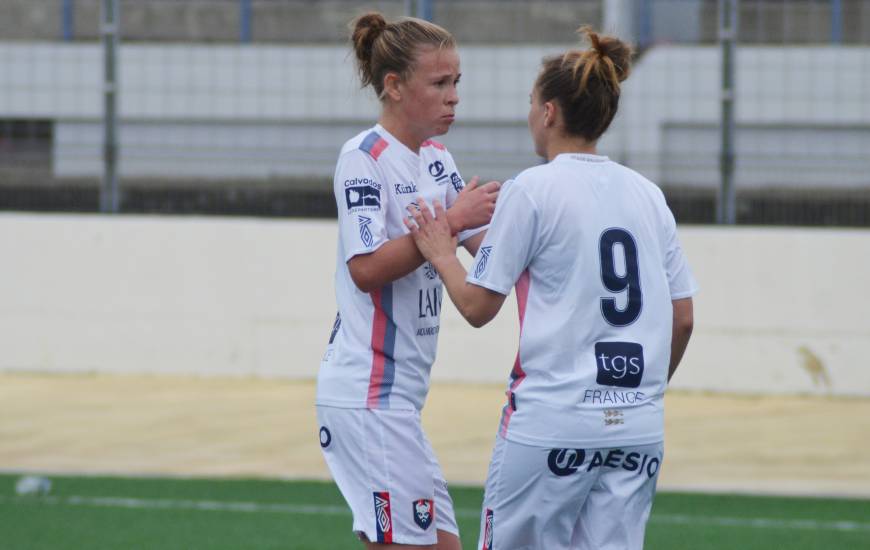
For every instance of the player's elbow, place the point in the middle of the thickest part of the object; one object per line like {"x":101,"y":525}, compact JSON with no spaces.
{"x":363,"y":283}
{"x":362,"y":276}
{"x":684,"y":317}
{"x":476,"y":319}
{"x":478,"y":314}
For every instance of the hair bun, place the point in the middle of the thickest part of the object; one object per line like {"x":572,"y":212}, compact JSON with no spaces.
{"x":612,"y":48}
{"x":365,"y":29}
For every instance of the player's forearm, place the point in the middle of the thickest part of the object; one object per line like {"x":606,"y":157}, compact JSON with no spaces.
{"x":476,"y":304}
{"x":472,"y":244}
{"x":392,"y":261}
{"x":682,"y":331}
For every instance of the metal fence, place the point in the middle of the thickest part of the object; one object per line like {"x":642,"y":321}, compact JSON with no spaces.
{"x":240,"y":106}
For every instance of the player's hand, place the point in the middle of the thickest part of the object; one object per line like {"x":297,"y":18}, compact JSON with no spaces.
{"x":474,"y":205}
{"x":431,"y":233}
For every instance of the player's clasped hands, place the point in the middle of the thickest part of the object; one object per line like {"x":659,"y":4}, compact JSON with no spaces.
{"x":475,"y":204}
{"x":431,"y":233}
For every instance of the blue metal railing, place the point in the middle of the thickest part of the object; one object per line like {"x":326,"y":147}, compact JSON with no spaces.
{"x":67,"y":19}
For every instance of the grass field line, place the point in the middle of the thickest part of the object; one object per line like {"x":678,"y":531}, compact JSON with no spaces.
{"x":312,"y":509}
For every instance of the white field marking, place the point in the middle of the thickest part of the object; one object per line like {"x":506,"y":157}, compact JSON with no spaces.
{"x":305,"y":509}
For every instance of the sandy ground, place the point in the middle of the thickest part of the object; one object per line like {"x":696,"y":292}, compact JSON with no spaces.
{"x":186,"y":426}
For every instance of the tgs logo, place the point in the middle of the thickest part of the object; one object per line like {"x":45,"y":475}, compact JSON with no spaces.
{"x":564,"y":462}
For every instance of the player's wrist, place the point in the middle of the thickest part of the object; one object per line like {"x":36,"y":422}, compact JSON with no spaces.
{"x":454,"y":220}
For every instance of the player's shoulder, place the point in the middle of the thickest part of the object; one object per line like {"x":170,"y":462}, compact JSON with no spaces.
{"x":368,"y":143}
{"x":531,"y":179}
{"x":637,"y":179}
{"x":434,"y":146}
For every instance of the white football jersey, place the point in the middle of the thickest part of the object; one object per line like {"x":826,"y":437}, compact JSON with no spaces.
{"x":383,"y":343}
{"x":592,"y":249}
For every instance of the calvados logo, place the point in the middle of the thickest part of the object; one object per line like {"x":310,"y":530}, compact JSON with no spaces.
{"x":487,"y":532}
{"x":484,"y":259}
{"x":564,"y":462}
{"x":383,"y":517}
{"x":359,"y":196}
{"x":364,"y":232}
{"x":424,"y":512}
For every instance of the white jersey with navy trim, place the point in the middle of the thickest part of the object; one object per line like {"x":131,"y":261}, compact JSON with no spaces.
{"x":383,"y":343}
{"x":592,"y":249}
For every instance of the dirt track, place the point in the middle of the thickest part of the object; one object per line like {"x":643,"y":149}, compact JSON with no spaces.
{"x":266,"y":428}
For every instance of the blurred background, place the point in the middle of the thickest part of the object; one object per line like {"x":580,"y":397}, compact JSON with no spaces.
{"x":167,"y":251}
{"x":239,"y":106}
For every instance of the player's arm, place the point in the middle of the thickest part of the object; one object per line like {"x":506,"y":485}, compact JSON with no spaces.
{"x":400,"y":256}
{"x":477,"y":305}
{"x":472,"y":244}
{"x":683,"y":324}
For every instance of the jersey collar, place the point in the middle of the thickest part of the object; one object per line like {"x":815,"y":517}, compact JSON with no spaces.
{"x":582,"y":157}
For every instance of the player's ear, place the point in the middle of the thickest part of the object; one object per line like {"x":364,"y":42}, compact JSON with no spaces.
{"x":391,"y":86}
{"x":550,"y":112}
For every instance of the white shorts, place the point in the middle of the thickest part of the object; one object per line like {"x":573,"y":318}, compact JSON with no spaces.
{"x":568,"y":498}
{"x":386,"y":469}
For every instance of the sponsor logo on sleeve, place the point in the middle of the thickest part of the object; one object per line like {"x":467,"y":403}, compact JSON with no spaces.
{"x":619,"y":364}
{"x":424,"y":512}
{"x":457,"y":182}
{"x":365,"y":234}
{"x":436,"y":170}
{"x":383,"y":517}
{"x":362,"y":194}
{"x":482,"y":261}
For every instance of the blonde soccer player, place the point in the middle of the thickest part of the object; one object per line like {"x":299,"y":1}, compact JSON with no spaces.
{"x":604,"y":294}
{"x":374,"y":377}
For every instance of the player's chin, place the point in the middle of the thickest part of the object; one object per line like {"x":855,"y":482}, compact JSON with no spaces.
{"x":442,"y":127}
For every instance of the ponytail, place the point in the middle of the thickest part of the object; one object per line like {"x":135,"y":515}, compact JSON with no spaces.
{"x":586,"y":83}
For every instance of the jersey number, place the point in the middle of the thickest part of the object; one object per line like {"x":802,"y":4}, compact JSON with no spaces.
{"x":618,"y":283}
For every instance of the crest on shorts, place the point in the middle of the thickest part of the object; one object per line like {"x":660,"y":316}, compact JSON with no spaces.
{"x":424,"y":512}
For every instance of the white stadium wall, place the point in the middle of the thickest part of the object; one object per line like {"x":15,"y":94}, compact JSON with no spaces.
{"x":229,"y":111}
{"x":780,"y":310}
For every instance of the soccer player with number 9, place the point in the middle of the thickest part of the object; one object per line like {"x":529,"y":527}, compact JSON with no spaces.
{"x":604,"y":294}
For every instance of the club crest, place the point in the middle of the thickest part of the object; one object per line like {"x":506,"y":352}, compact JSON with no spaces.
{"x":424,"y":512}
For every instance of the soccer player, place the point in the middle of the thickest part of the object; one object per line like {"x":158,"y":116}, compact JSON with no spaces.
{"x":374,"y":377}
{"x":605,"y":308}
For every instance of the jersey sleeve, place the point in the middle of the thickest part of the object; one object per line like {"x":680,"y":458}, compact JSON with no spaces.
{"x":681,"y":282}
{"x":361,"y":202}
{"x":509,"y":244}
{"x":456,"y":185}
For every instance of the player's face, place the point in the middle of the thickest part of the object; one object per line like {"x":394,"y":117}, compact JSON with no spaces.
{"x":429,"y":95}
{"x":536,"y":122}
